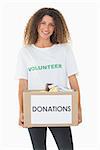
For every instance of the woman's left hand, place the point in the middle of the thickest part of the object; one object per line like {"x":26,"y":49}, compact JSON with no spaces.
{"x":79,"y":115}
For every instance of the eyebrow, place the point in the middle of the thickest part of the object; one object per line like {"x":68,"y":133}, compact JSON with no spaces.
{"x":49,"y":23}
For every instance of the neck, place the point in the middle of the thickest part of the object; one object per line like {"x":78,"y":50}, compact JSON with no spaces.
{"x":43,"y":43}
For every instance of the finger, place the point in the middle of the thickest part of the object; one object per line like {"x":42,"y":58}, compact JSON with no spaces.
{"x":80,"y":120}
{"x":21,"y":123}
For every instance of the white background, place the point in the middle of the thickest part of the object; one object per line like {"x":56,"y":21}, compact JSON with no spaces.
{"x":82,"y":18}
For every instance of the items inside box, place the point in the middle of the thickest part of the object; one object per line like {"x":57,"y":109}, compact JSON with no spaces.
{"x":56,"y":88}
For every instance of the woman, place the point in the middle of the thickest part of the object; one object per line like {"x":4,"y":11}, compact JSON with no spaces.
{"x":47,"y":58}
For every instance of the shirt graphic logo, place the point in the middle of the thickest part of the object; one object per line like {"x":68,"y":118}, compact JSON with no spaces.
{"x":45,"y":67}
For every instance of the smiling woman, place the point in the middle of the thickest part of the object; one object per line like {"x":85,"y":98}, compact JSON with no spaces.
{"x":47,"y":57}
{"x":50,"y":22}
{"x":46,"y":27}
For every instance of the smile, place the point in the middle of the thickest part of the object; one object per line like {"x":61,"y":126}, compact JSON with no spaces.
{"x":46,"y":33}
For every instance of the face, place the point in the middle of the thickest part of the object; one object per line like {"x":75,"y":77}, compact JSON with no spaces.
{"x":46,"y":27}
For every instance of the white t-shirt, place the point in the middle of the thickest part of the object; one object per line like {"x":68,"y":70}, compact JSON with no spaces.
{"x":46,"y":65}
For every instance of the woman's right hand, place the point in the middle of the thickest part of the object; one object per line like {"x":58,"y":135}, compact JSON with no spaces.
{"x":21,"y":119}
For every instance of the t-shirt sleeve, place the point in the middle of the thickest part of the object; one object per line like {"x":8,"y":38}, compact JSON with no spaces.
{"x":71,"y":66}
{"x":21,"y":66}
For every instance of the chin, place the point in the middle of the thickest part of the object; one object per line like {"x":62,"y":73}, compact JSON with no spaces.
{"x":45,"y":37}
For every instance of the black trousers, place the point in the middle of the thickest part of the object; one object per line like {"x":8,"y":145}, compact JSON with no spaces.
{"x":62,"y":136}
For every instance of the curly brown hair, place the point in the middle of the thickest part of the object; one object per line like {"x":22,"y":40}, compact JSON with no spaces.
{"x":60,"y":34}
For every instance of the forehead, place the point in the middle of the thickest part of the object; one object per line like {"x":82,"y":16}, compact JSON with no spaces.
{"x":47,"y":18}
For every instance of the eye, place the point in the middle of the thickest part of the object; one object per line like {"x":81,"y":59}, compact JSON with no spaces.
{"x":51,"y":24}
{"x":42,"y":22}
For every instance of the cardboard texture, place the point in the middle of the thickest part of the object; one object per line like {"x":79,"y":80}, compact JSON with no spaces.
{"x":45,"y":109}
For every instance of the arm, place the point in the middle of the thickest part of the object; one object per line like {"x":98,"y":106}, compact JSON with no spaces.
{"x":23,"y":85}
{"x":74,"y":85}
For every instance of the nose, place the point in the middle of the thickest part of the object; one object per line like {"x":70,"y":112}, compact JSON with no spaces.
{"x":46,"y":27}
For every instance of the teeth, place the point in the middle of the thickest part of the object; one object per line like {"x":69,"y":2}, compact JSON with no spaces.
{"x":45,"y":32}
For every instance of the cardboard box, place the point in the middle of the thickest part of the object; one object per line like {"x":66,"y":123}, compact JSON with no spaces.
{"x":45,"y":109}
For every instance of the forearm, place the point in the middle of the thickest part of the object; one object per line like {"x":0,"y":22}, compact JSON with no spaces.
{"x":23,"y":85}
{"x":74,"y":85}
{"x":79,"y":99}
{"x":20,"y":95}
